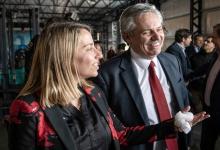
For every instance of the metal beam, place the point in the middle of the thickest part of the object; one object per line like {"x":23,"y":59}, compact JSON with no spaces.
{"x":34,"y":14}
{"x":117,"y":11}
{"x":195,"y":16}
{"x":65,"y":6}
{"x":4,"y":56}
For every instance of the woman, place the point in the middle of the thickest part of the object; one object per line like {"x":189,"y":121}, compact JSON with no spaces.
{"x":58,"y":109}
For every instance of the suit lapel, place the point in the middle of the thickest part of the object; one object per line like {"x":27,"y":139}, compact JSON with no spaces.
{"x":55,"y":117}
{"x":170,"y":77}
{"x":130,"y":81}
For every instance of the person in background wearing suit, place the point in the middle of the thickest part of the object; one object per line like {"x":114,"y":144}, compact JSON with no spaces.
{"x":211,"y":127}
{"x":126,"y":79}
{"x":183,"y":38}
{"x":58,"y":109}
{"x":196,"y":46}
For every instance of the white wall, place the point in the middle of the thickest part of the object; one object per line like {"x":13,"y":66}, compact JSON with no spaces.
{"x":177,"y":15}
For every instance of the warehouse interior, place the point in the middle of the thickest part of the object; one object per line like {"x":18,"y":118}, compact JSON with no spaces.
{"x":21,"y":20}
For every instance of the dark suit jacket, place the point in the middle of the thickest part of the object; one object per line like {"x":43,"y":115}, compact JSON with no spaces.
{"x":33,"y":127}
{"x":202,"y":58}
{"x":191,"y":51}
{"x":201,"y":63}
{"x":176,"y":50}
{"x":117,"y":79}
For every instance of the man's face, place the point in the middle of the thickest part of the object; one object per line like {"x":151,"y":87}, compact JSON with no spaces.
{"x":148,"y":36}
{"x":199,"y":41}
{"x":187,"y":41}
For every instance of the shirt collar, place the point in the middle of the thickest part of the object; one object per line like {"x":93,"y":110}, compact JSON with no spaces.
{"x":182,"y":47}
{"x":142,"y":61}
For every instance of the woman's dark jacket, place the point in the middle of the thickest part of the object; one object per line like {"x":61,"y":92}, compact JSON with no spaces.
{"x":33,"y":127}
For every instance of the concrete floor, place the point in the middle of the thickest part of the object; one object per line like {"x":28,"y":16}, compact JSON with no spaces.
{"x":196,"y":136}
{"x":196,"y":132}
{"x":3,"y":137}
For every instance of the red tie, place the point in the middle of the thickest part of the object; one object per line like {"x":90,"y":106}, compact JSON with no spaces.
{"x":161,"y":103}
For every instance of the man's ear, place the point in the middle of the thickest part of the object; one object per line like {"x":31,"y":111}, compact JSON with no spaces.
{"x":126,"y":37}
{"x":183,"y":39}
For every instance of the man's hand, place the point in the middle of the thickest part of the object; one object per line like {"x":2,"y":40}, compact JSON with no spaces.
{"x":199,"y":117}
{"x":184,"y":119}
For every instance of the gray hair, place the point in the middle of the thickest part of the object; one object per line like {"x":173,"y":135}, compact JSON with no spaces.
{"x":127,"y":18}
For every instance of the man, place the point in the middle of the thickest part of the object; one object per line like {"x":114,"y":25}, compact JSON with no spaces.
{"x":183,"y":38}
{"x":195,"y":48}
{"x":211,"y":127}
{"x":125,"y":79}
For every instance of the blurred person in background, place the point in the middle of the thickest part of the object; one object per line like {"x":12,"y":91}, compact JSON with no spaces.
{"x":195,"y":46}
{"x":183,"y":38}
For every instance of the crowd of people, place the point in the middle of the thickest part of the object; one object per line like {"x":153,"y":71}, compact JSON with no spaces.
{"x":138,"y":99}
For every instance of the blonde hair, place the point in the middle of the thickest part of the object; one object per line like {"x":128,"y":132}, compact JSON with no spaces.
{"x":53,"y":70}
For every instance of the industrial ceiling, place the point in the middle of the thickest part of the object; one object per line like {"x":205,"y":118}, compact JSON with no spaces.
{"x":91,"y":11}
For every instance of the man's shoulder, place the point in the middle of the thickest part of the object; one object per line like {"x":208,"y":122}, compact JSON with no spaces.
{"x":173,"y":47}
{"x":112,"y":61}
{"x":167,"y":56}
{"x":170,"y":46}
{"x":116,"y":61}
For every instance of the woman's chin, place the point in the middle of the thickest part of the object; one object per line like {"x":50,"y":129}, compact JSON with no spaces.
{"x":93,"y":75}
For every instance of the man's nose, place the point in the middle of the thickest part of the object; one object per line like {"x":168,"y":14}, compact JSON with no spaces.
{"x":155,"y":35}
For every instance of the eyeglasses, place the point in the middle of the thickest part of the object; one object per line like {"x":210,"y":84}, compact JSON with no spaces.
{"x":207,"y":41}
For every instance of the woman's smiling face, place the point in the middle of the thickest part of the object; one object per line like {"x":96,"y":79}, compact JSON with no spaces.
{"x":87,"y":56}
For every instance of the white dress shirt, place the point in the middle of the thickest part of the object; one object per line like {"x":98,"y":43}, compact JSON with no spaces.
{"x":140,"y":66}
{"x":197,"y":49}
{"x":182,"y":48}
